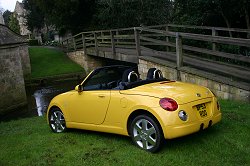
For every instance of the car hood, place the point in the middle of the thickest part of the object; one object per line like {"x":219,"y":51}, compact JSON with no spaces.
{"x":179,"y":91}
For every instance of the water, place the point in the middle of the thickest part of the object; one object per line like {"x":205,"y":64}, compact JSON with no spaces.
{"x":38,"y":98}
{"x":43,"y":97}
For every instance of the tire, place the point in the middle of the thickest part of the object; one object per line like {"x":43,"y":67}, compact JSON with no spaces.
{"x":146,"y":133}
{"x":56,"y":119}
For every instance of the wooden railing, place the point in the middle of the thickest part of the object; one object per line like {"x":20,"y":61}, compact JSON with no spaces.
{"x":229,"y":46}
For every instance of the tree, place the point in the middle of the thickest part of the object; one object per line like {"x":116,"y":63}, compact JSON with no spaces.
{"x":81,"y":15}
{"x":191,"y":12}
{"x":35,"y":16}
{"x":226,"y":13}
{"x":127,"y":13}
{"x":244,"y":12}
{"x":73,"y":15}
{"x":6,"y":16}
{"x":14,"y":24}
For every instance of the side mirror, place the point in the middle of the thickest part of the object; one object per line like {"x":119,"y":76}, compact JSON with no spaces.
{"x":79,"y":88}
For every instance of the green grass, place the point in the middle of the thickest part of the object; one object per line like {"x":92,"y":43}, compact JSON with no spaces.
{"x":30,"y":142}
{"x":46,"y":62}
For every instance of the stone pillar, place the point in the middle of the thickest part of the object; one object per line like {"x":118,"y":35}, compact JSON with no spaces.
{"x":12,"y":87}
{"x":14,"y":65}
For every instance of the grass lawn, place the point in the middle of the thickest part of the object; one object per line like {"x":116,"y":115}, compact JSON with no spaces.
{"x":49,"y":62}
{"x":30,"y":142}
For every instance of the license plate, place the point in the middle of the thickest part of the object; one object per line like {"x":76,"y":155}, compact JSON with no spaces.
{"x":201,"y":108}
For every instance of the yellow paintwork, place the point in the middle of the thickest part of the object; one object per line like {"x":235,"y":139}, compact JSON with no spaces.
{"x":109,"y":110}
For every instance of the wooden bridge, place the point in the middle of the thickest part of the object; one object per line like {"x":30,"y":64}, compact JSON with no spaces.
{"x":223,"y":51}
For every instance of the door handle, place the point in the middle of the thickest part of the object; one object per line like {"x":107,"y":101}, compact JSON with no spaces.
{"x":101,"y":96}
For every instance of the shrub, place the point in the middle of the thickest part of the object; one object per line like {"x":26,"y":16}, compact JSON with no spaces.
{"x":33,"y":42}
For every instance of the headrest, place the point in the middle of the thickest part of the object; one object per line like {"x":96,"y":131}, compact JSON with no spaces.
{"x":154,"y":73}
{"x":130,"y":75}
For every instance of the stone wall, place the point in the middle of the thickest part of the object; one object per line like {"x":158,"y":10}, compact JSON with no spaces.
{"x":25,"y":60}
{"x":14,"y":65}
{"x":12,"y":90}
{"x":89,"y":63}
{"x":9,"y":39}
{"x":168,"y":72}
{"x":223,"y":87}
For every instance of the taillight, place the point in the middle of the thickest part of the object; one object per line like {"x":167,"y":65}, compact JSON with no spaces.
{"x":168,"y":104}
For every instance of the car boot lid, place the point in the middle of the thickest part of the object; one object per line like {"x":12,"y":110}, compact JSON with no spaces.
{"x":179,"y":91}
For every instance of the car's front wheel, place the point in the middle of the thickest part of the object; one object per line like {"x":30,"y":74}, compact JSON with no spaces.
{"x":56,"y":120}
{"x":146,"y":133}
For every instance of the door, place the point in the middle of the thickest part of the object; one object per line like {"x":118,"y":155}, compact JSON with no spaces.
{"x":91,"y":105}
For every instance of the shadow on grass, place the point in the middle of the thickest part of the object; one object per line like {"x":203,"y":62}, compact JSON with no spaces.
{"x":193,"y":140}
{"x":198,"y":139}
{"x":96,"y":134}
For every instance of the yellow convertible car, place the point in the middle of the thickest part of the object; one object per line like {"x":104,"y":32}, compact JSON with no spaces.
{"x":114,"y":99}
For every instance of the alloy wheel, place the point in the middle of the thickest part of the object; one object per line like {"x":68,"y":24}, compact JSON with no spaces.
{"x":146,"y":133}
{"x":57,"y":121}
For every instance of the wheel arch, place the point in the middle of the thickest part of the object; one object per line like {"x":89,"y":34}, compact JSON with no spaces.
{"x":141,"y":112}
{"x":54,"y":107}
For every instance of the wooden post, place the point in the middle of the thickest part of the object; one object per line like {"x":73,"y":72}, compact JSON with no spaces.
{"x":102,"y":36}
{"x":84,"y":44}
{"x":67,"y":45}
{"x":113,"y":44}
{"x":179,"y":53}
{"x":214,"y":33}
{"x":74,"y":43}
{"x":167,"y":40}
{"x":137,"y":42}
{"x":117,"y":33}
{"x":96,"y":44}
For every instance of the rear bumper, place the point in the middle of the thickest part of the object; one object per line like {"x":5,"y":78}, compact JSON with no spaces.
{"x":189,"y":128}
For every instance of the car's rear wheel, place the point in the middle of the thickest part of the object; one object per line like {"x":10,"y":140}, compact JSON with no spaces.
{"x":56,"y":120}
{"x":146,"y":133}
